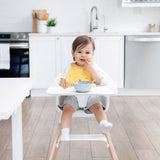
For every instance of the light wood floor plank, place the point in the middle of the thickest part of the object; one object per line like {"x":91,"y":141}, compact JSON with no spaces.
{"x":7,"y":155}
{"x":151,"y":127}
{"x":4,"y":142}
{"x":140,"y":140}
{"x":121,"y":141}
{"x":30,"y":126}
{"x":80,"y":154}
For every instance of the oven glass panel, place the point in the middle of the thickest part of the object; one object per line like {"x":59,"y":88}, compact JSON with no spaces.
{"x":19,"y":64}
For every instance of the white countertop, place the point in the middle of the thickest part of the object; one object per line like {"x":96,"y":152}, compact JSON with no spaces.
{"x":117,"y":33}
{"x":12,"y":93}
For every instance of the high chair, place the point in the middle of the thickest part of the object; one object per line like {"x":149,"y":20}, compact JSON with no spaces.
{"x":80,"y":113}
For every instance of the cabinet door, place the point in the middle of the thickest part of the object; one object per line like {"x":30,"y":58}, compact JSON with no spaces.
{"x":43,"y":61}
{"x":65,"y":52}
{"x":109,"y":55}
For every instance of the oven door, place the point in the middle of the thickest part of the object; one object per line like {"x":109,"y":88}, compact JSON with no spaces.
{"x":19,"y":61}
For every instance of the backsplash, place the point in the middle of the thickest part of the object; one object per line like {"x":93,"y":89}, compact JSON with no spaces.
{"x":74,"y":15}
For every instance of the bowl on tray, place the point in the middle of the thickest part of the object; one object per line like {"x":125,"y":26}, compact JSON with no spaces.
{"x":83,"y":86}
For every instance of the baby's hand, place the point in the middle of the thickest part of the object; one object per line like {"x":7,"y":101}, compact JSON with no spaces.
{"x":88,"y":66}
{"x":63,"y":84}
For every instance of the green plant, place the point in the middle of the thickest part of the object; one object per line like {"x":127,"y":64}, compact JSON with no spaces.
{"x":52,"y":22}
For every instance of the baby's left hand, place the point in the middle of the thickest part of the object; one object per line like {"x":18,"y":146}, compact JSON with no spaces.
{"x":88,"y":66}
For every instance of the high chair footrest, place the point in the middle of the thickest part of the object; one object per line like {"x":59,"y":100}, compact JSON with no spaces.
{"x":87,"y":137}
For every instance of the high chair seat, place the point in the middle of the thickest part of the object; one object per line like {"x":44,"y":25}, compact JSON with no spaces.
{"x":59,"y":92}
{"x":80,"y":112}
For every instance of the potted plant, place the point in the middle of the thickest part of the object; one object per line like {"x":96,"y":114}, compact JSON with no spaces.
{"x":51,"y":24}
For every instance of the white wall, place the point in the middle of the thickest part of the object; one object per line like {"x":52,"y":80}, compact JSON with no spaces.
{"x":74,"y":15}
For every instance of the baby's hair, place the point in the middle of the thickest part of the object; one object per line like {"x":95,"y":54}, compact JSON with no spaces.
{"x":82,"y":41}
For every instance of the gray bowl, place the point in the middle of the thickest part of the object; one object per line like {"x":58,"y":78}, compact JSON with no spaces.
{"x":83,"y":86}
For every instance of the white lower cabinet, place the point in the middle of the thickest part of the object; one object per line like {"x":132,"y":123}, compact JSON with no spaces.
{"x":109,"y":55}
{"x":43,"y":57}
{"x":49,"y":55}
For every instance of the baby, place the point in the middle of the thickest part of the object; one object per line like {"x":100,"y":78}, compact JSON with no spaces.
{"x":83,"y":69}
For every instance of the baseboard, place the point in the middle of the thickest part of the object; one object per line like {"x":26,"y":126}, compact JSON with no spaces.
{"x":138,"y":92}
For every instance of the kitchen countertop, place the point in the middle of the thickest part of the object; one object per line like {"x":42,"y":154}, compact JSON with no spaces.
{"x":93,"y":34}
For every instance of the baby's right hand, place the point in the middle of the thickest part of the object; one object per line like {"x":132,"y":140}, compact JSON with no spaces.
{"x":63,"y":84}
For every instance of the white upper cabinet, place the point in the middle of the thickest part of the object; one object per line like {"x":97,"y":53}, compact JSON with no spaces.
{"x":50,"y":55}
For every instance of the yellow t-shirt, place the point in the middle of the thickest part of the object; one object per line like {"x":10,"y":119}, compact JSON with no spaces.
{"x":77,"y":73}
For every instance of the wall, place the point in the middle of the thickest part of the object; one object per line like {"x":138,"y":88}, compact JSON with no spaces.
{"x":74,"y":15}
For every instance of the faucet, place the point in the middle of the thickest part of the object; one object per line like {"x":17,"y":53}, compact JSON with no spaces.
{"x":104,"y":23}
{"x":92,"y":26}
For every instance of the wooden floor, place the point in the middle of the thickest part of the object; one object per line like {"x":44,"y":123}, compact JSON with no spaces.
{"x":135,"y":133}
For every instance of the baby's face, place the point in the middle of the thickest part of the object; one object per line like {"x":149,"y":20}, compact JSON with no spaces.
{"x":83,"y":55}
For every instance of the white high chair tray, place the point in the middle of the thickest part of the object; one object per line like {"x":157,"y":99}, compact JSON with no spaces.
{"x":98,"y":90}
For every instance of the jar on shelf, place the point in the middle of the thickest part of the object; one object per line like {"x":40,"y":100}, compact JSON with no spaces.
{"x":151,"y":27}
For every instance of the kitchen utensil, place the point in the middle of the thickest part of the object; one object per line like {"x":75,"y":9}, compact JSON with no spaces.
{"x":45,"y":17}
{"x":40,"y":14}
{"x":33,"y":13}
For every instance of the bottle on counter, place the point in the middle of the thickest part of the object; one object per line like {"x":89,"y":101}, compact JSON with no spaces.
{"x":151,"y":27}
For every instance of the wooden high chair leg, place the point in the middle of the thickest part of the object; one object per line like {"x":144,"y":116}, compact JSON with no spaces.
{"x":111,"y":147}
{"x":55,"y":148}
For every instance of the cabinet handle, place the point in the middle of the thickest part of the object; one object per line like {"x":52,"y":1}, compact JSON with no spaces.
{"x":57,"y":38}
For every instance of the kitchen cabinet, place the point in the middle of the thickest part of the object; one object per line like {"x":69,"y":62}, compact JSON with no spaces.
{"x":50,"y":54}
{"x":109,"y":55}
{"x":43,"y":54}
{"x":65,"y":51}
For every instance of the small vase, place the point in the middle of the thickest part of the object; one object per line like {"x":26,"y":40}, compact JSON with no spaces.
{"x":52,"y":29}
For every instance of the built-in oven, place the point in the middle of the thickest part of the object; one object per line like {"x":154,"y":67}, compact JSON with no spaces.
{"x":19,"y":55}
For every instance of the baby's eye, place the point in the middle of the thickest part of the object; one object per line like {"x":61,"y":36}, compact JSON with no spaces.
{"x":79,"y":52}
{"x":87,"y":52}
